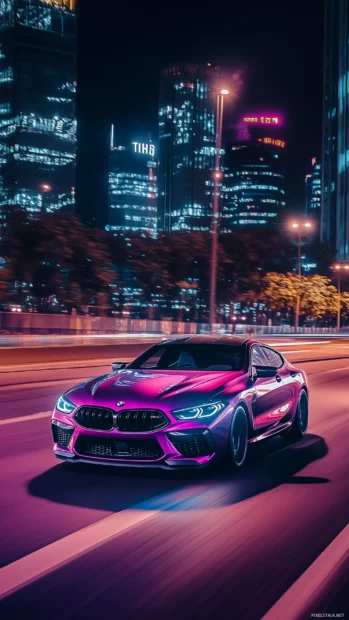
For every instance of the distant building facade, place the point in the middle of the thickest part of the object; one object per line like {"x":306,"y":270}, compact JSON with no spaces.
{"x":187,"y":119}
{"x":133,"y":190}
{"x":313,"y":191}
{"x":253,"y":191}
{"x":335,"y":163}
{"x":37,"y":105}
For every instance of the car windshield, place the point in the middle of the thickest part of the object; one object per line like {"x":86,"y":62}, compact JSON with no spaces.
{"x":191,"y":357}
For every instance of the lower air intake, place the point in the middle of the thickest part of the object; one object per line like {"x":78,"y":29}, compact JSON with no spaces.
{"x":117,"y":449}
{"x":192,"y":445}
{"x":61,"y":436}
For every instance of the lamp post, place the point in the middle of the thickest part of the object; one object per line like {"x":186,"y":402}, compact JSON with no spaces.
{"x":45,"y":188}
{"x":339,"y":269}
{"x":299,"y":227}
{"x":217,"y":176}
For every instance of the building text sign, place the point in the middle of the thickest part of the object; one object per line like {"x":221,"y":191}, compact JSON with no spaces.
{"x":144,"y":148}
{"x":262,"y":120}
{"x":273,"y":141}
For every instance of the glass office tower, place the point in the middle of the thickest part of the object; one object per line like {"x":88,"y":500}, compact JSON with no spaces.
{"x":37,"y":105}
{"x":335,"y":166}
{"x":254,"y":183}
{"x":313,"y":190}
{"x":187,"y":146}
{"x":133,"y":189}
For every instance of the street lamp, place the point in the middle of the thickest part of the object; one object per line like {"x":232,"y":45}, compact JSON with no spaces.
{"x":339,"y":269}
{"x":45,"y":188}
{"x":217,"y":176}
{"x":299,"y":228}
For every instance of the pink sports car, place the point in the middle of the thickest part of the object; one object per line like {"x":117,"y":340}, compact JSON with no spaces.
{"x":183,"y":403}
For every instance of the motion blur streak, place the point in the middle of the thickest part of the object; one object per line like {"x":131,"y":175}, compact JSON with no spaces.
{"x":192,"y":558}
{"x":320,"y":578}
{"x":44,"y":560}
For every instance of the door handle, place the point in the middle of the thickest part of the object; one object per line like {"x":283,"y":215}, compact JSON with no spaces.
{"x":278,"y":378}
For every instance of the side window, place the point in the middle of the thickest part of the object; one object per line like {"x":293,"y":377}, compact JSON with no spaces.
{"x":274,"y":359}
{"x":258,"y":357}
{"x":153,"y":361}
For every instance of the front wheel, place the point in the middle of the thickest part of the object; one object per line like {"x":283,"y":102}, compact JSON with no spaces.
{"x":238,"y":439}
{"x":300,"y":423}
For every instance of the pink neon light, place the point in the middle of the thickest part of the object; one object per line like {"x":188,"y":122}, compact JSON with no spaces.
{"x":262,"y":120}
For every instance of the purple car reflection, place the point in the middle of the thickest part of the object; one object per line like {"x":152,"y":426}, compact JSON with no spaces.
{"x":183,"y":403}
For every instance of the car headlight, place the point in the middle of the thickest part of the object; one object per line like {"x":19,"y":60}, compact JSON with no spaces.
{"x":202,"y":411}
{"x":64,"y":405}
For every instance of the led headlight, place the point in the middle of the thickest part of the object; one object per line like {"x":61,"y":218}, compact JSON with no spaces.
{"x":64,"y":405}
{"x":202,"y":411}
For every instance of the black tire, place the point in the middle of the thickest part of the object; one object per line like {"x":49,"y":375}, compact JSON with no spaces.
{"x":300,"y":423}
{"x":238,"y":439}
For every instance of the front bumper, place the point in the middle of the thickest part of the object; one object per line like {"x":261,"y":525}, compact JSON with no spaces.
{"x":178,"y":446}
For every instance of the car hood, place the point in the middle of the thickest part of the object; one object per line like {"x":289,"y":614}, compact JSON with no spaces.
{"x":139,"y":388}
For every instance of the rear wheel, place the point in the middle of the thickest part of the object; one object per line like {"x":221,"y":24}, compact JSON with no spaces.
{"x":300,"y":423}
{"x":238,"y":439}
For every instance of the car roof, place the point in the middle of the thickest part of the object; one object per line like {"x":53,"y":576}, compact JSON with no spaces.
{"x":208,"y":339}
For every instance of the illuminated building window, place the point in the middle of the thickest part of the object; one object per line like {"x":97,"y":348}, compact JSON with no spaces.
{"x":253,"y":187}
{"x":133,"y":190}
{"x":37,"y":142}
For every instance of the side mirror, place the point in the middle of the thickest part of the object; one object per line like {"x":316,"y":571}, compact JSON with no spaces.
{"x":264,"y":371}
{"x":118,"y":365}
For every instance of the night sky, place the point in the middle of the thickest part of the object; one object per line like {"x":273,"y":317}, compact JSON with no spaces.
{"x":278,"y":46}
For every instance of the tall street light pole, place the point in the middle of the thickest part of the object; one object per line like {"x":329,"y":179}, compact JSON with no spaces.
{"x":217,"y":176}
{"x":298,"y":227}
{"x":338,"y":269}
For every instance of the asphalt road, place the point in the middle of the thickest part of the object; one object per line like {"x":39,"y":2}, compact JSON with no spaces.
{"x":153,"y":544}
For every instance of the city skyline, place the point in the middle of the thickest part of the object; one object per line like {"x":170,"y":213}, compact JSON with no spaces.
{"x":281,"y":67}
{"x":185,"y":203}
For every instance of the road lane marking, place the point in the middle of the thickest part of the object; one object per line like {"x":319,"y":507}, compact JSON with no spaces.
{"x":296,"y":344}
{"x":33,"y":566}
{"x":300,"y":351}
{"x":303,"y":596}
{"x":326,"y":372}
{"x":71,"y":365}
{"x":11,"y":387}
{"x":25,"y":418}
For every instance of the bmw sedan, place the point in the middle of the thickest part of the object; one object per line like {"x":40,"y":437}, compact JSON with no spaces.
{"x":183,"y":403}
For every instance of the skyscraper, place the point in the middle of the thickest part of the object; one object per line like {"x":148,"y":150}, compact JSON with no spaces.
{"x":186,"y":146}
{"x":254,"y":183}
{"x":313,"y":190}
{"x":335,"y":164}
{"x":37,"y":105}
{"x":133,"y":189}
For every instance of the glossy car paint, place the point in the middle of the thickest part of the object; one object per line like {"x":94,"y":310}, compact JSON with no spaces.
{"x":271,"y":404}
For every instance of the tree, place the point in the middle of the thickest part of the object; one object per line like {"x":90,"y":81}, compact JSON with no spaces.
{"x":318,"y":297}
{"x":149,"y":259}
{"x":5,"y":281}
{"x":54,"y":255}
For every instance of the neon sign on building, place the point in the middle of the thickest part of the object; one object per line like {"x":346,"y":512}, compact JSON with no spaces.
{"x":143,"y":148}
{"x":262,"y":120}
{"x":273,"y":141}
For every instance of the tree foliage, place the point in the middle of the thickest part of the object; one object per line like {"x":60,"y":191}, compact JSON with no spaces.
{"x":54,"y":255}
{"x":54,"y":260}
{"x":318,"y":297}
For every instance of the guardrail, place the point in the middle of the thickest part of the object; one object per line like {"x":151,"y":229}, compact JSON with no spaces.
{"x":59,"y":330}
{"x":60,"y":324}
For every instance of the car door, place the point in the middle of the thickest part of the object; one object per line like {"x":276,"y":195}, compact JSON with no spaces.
{"x":271,"y":396}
